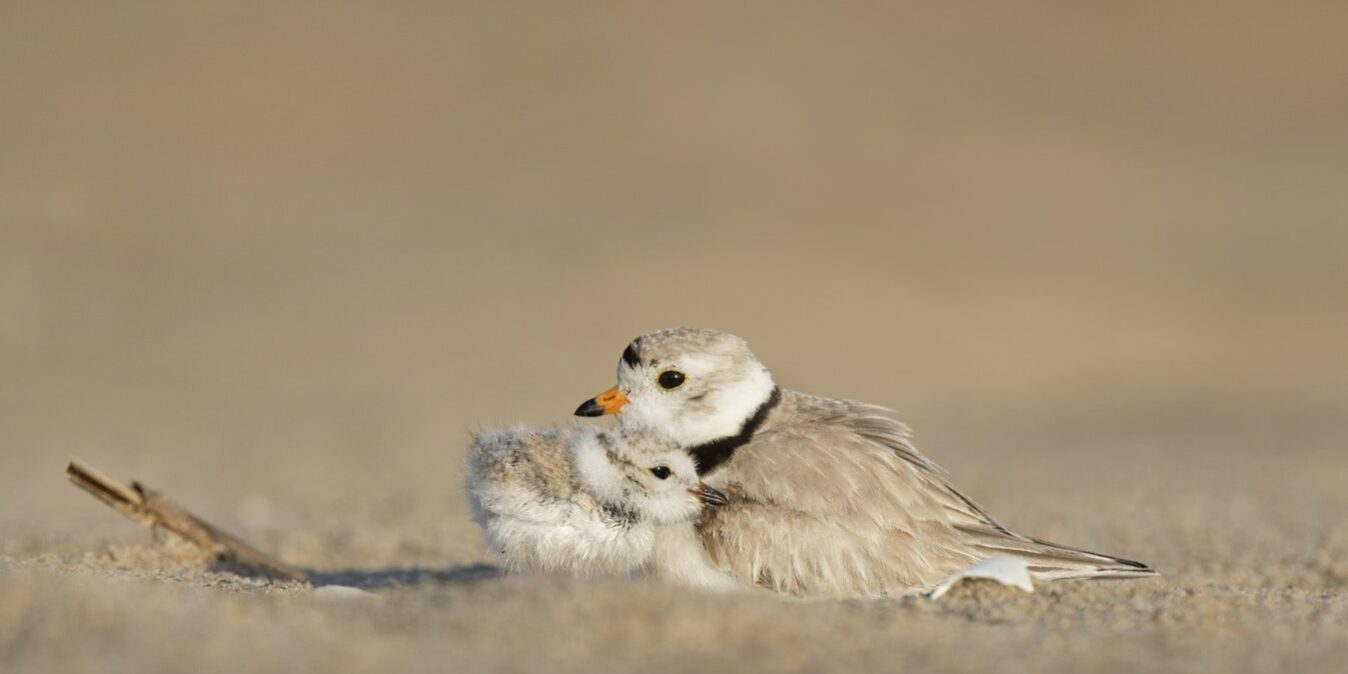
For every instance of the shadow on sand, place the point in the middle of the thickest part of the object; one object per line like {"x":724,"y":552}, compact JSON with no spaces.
{"x":375,"y":579}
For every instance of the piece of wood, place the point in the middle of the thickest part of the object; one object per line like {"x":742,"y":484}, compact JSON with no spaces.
{"x":148,"y":509}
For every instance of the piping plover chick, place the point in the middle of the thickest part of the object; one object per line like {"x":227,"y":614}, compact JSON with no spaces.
{"x":828,"y":497}
{"x":579,"y":501}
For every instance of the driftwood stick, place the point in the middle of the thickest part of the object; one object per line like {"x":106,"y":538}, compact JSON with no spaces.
{"x":148,"y":509}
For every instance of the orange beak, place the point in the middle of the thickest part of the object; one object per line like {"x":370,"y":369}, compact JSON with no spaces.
{"x":608,"y":402}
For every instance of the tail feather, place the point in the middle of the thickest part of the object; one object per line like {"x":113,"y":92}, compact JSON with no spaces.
{"x":1052,"y":561}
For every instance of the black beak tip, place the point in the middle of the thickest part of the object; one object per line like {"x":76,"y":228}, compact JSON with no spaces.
{"x":714,"y":497}
{"x":589,"y":408}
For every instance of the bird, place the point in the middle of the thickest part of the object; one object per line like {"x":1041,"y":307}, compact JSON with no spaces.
{"x":576,"y":500}
{"x":826,"y":497}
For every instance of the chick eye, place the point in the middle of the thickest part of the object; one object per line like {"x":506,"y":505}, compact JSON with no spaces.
{"x":660,"y":472}
{"x":671,"y":379}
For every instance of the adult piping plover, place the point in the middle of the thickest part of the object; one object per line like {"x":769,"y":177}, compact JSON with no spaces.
{"x":580,"y":501}
{"x":827,"y":497}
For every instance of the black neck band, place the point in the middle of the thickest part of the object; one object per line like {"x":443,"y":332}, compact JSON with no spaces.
{"x":709,"y":455}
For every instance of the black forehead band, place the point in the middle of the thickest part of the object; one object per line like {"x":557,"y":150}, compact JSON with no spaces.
{"x":630,"y":355}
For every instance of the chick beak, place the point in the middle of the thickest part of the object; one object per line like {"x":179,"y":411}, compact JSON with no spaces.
{"x":709,"y":495}
{"x":608,"y":402}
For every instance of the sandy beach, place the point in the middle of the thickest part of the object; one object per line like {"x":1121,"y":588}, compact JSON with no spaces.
{"x":280,"y":263}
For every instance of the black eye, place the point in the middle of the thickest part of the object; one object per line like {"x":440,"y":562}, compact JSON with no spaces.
{"x":660,"y":472}
{"x":671,"y":379}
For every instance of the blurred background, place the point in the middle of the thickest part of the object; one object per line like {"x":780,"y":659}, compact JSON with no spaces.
{"x":280,"y":259}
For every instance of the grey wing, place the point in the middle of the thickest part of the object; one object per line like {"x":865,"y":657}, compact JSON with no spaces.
{"x":821,"y":510}
{"x":980,"y":531}
{"x":846,"y":505}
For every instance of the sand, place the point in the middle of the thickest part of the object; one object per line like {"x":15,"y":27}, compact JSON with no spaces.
{"x":1254,"y":554}
{"x":280,"y":261}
